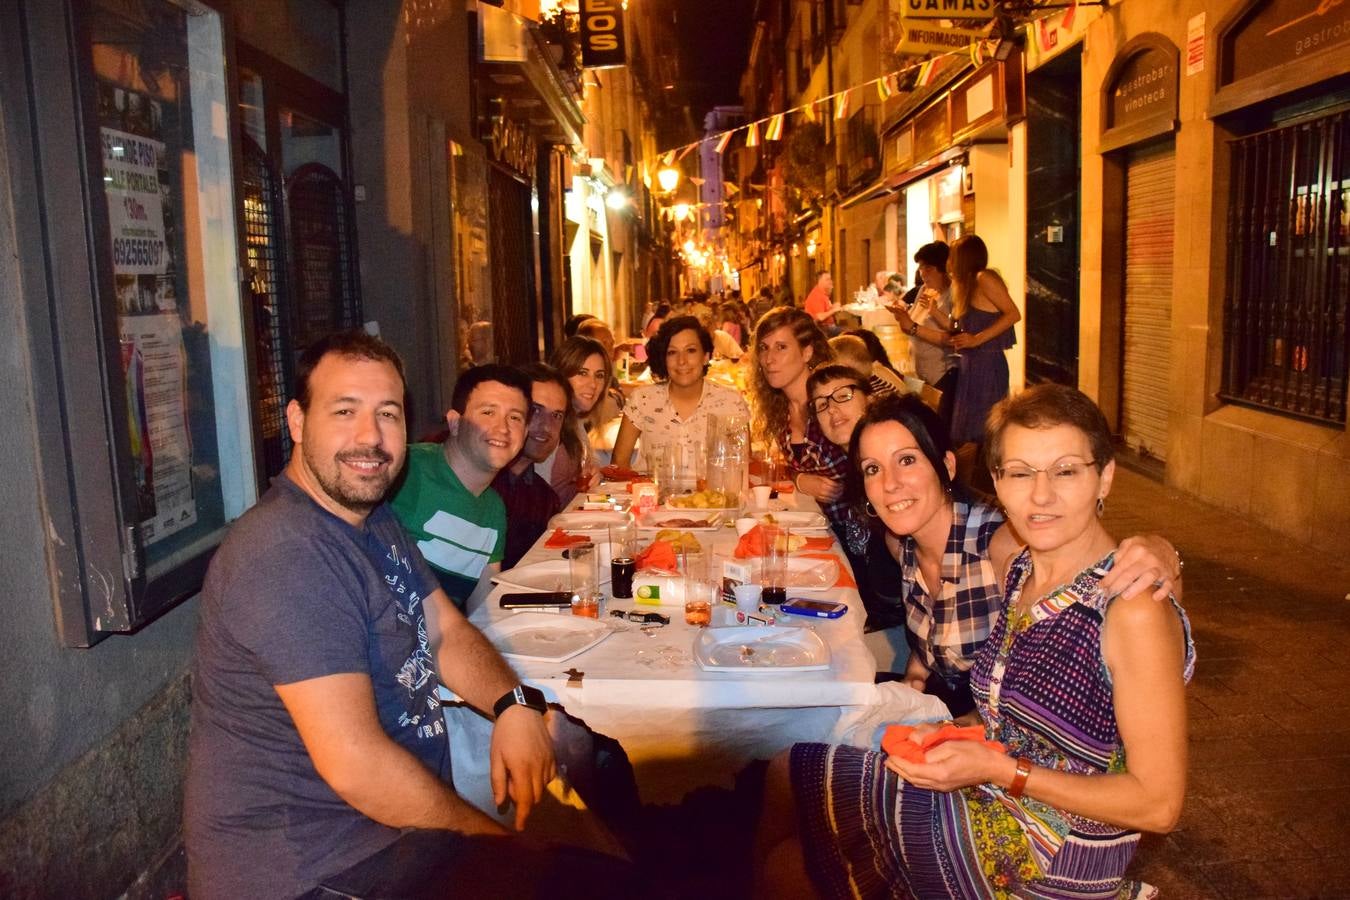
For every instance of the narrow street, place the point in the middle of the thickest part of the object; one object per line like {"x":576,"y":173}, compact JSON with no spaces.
{"x":1267,"y":808}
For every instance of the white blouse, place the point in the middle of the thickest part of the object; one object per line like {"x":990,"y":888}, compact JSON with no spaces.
{"x":650,"y":409}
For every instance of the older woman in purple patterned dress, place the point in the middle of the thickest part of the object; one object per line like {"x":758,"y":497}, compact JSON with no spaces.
{"x":1084,"y":690}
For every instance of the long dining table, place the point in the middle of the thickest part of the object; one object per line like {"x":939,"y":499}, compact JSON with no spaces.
{"x":682,"y":726}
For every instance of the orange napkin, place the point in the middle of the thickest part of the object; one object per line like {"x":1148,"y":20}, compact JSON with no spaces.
{"x":895,"y":741}
{"x":560,"y":539}
{"x":660,"y":555}
{"x":620,"y":473}
{"x":845,"y":580}
{"x":753,"y":543}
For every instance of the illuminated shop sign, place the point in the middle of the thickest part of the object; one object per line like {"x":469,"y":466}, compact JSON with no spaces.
{"x":947,"y":9}
{"x":602,"y":34}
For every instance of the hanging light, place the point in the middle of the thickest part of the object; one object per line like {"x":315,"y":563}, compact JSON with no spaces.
{"x":681,"y":211}
{"x":668,"y":177}
{"x":616,"y":199}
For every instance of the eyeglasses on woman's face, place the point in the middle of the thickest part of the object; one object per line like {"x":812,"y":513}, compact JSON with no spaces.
{"x":838,"y":396}
{"x":1062,"y":473}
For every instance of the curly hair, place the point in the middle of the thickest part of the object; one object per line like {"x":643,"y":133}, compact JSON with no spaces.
{"x":660,"y":343}
{"x":771,"y":404}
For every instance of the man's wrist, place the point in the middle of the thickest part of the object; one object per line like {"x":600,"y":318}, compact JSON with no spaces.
{"x":520,"y":695}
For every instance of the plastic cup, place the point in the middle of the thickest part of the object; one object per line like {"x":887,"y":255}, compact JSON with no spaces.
{"x":762,"y":494}
{"x":747,"y":597}
{"x":744,"y":524}
{"x":581,"y":565}
{"x":586,"y":605}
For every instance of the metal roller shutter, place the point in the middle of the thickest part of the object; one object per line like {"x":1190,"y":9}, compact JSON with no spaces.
{"x":1149,"y":192}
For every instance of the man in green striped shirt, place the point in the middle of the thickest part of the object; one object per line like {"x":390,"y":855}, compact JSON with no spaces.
{"x":445,"y":500}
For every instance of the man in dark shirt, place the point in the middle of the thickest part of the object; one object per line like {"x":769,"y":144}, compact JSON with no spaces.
{"x":317,"y":733}
{"x":529,"y":500}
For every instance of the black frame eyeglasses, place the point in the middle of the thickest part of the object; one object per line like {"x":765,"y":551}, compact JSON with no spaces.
{"x":839,"y":396}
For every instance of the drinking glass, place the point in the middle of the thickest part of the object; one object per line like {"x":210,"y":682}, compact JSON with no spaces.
{"x":699,"y":591}
{"x":623,"y":541}
{"x":585,"y":598}
{"x":774,"y":565}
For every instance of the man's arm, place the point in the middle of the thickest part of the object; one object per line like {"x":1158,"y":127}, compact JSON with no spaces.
{"x":336,"y":718}
{"x":522,"y":752}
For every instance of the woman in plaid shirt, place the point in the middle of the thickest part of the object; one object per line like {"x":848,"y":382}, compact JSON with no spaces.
{"x":788,"y":345}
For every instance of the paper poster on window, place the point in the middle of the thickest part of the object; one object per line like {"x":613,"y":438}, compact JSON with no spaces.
{"x":155,"y":363}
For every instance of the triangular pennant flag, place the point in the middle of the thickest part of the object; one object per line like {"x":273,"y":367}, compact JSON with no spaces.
{"x":809,"y":111}
{"x":884,"y":89}
{"x":1067,"y":22}
{"x":685,"y":151}
{"x":774,"y":130}
{"x":670,"y":158}
{"x":841,"y":105}
{"x":926,"y":72}
{"x":730,"y":189}
{"x":752,"y":135}
{"x":698,"y":182}
{"x":723,"y":141}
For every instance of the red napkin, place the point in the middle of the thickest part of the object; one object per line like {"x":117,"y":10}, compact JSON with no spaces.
{"x":753,"y":543}
{"x":845,"y":580}
{"x":895,"y":741}
{"x":660,"y":555}
{"x":560,"y":539}
{"x":620,"y":473}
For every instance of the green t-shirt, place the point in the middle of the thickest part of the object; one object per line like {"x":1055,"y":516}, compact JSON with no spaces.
{"x":458,"y":533}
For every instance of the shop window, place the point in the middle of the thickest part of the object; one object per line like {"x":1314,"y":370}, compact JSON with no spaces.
{"x":148,"y":375}
{"x":1285,"y":303}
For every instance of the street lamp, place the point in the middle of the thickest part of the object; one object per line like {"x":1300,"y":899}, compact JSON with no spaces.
{"x":680,"y":211}
{"x":616,"y":199}
{"x":669,"y":178}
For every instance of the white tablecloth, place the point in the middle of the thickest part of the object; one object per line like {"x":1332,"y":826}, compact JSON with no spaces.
{"x":683,"y":727}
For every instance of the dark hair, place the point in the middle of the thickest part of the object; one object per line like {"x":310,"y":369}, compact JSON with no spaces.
{"x":836,"y":372}
{"x":1045,"y":406}
{"x":543,"y":373}
{"x":660,"y":342}
{"x":771,"y":406}
{"x":934,"y":254}
{"x":570,"y":326}
{"x":469,"y":379}
{"x":352,"y":344}
{"x":907,"y":410}
{"x":875,"y":349}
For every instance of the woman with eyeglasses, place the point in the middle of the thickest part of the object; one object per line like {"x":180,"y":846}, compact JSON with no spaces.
{"x":788,"y":346}
{"x":675,"y":410}
{"x":1080,"y":681}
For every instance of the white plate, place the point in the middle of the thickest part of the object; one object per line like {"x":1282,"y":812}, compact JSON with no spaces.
{"x":661,"y":518}
{"x":795,"y":519}
{"x":760,"y":648}
{"x":588,"y":519}
{"x":549,"y":575}
{"x":549,"y":637}
{"x":807,"y":574}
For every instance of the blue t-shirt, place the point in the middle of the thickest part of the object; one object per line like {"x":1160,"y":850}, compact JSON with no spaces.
{"x":296,"y":593}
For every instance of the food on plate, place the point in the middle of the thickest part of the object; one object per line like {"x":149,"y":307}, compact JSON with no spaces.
{"x":680,"y":540}
{"x":703,"y":500}
{"x":686,"y":522}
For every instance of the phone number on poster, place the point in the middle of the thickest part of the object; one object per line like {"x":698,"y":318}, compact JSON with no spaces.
{"x":137,"y":252}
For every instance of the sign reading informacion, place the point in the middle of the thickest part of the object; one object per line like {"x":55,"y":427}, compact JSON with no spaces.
{"x":947,"y":9}
{"x":602,"y":44}
{"x":923,"y":37}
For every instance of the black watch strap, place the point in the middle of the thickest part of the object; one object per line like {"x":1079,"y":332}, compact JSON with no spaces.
{"x":521,"y":695}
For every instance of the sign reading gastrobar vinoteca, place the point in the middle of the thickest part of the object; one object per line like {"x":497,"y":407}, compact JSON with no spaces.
{"x":602,"y":43}
{"x":947,"y":9}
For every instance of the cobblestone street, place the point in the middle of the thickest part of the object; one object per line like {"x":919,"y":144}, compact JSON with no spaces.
{"x":1268,"y":800}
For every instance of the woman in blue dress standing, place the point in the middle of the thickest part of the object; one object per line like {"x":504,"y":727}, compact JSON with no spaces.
{"x":985,"y":315}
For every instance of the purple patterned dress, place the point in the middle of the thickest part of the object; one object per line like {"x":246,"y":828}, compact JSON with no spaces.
{"x":1043,"y":689}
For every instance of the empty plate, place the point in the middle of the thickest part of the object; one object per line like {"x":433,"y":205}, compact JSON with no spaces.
{"x":588,"y":519}
{"x":760,"y":648}
{"x":549,"y":575}
{"x":548,"y":637}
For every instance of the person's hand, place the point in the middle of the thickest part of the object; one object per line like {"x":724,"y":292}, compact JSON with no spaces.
{"x":1143,"y":563}
{"x":951,"y":766}
{"x":522,"y":762}
{"x":902,"y":317}
{"x":964,"y":340}
{"x":824,"y":489}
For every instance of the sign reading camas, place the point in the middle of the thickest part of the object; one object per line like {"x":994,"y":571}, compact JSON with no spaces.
{"x":602,"y":42}
{"x":947,"y":9}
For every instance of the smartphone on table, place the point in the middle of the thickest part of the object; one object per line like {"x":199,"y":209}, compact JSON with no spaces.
{"x":820,"y":609}
{"x":536,"y":600}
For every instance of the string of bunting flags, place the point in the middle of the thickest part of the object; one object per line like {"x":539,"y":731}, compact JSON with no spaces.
{"x":837,"y":104}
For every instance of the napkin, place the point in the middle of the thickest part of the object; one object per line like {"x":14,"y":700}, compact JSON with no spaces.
{"x":660,"y":555}
{"x":753,"y":543}
{"x":845,"y":580}
{"x":896,"y":740}
{"x":620,"y":473}
{"x":560,"y":539}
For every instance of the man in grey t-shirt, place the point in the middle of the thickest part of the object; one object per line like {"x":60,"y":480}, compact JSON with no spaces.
{"x":317,"y":734}
{"x":928,"y":324}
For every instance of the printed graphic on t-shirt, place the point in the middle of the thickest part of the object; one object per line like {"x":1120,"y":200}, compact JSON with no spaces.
{"x":418,"y":673}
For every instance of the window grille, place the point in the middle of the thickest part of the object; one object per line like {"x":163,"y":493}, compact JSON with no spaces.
{"x":1285,"y":335}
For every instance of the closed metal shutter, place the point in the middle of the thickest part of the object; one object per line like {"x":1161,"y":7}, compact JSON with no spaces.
{"x":1149,"y":192}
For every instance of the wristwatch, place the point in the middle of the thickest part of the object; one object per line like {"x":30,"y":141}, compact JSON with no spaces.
{"x":521,"y":695}
{"x":912,"y":330}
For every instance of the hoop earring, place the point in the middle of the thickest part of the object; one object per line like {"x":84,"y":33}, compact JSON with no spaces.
{"x":1101,"y":507}
{"x":869,"y":508}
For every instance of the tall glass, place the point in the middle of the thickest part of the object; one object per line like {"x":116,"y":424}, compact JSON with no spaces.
{"x":699,"y":591}
{"x":774,"y":565}
{"x":585,"y":594}
{"x":623,"y":553}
